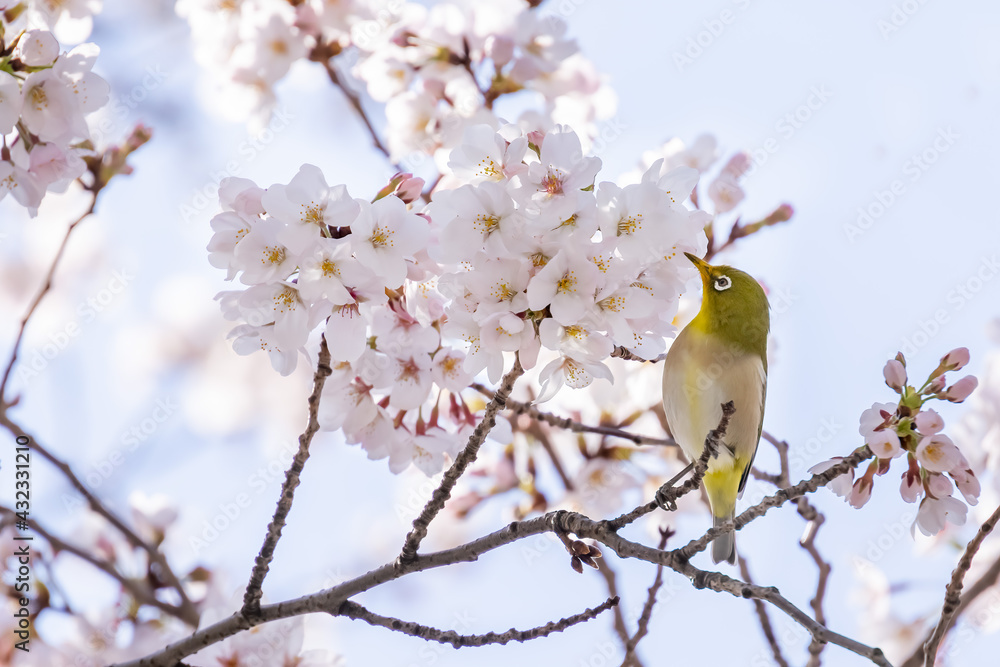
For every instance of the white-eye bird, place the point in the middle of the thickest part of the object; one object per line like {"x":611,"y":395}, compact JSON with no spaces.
{"x":720,"y":356}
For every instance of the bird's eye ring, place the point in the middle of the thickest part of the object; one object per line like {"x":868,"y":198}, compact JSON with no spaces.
{"x":723,"y":283}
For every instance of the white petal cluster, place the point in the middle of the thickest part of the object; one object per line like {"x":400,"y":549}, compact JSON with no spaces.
{"x":935,"y":465}
{"x":520,"y":256}
{"x":45,"y":97}
{"x":436,"y":68}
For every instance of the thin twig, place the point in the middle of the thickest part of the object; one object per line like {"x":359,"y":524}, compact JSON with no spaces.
{"x":141,"y":593}
{"x":356,"y":611}
{"x":985,"y":583}
{"x":611,"y":580}
{"x":251,"y":598}
{"x":762,"y":616}
{"x":642,"y":629}
{"x":189,"y":614}
{"x":355,"y":100}
{"x":666,"y":496}
{"x":776,"y":500}
{"x":462,"y":461}
{"x":953,"y":592}
{"x":43,"y":290}
{"x":519,"y":408}
{"x":808,"y":542}
{"x":559,"y":522}
{"x":623,"y":352}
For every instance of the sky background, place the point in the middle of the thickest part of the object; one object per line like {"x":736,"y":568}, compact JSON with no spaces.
{"x":855,"y":291}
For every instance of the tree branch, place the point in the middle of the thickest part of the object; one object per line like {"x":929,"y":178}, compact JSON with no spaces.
{"x":519,"y":408}
{"x":642,"y":628}
{"x":355,"y":101}
{"x":953,"y":592}
{"x":251,"y":598}
{"x":188,"y":612}
{"x":356,"y":611}
{"x":666,"y":496}
{"x":611,"y":579}
{"x":43,"y":290}
{"x":777,"y":499}
{"x":622,"y":352}
{"x":762,"y":616}
{"x":560,"y":522}
{"x":462,"y":461}
{"x":141,"y":593}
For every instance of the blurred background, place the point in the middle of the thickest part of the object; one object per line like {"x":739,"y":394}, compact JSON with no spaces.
{"x":876,"y":121}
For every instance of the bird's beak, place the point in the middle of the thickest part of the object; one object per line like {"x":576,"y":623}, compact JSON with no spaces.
{"x":702,"y":265}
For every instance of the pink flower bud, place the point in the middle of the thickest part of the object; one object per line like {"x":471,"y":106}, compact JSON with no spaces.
{"x":861,"y":493}
{"x":499,"y":49}
{"x":410,"y":188}
{"x":911,"y":488}
{"x":737,"y":165}
{"x":936,"y":385}
{"x":960,"y":391}
{"x":536,"y":138}
{"x":938,"y":485}
{"x":895,"y":375}
{"x":967,"y":483}
{"x":928,"y":422}
{"x":956,"y":359}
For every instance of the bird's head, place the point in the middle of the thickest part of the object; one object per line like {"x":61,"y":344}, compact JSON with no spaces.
{"x":734,"y":306}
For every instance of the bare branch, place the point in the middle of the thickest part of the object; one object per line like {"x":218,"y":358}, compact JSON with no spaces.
{"x":762,"y":616}
{"x":611,"y":579}
{"x":642,"y":629}
{"x":188,"y":612}
{"x":717,"y":581}
{"x":329,"y":600}
{"x":355,"y":101}
{"x":776,"y":500}
{"x":43,"y":290}
{"x":519,"y":408}
{"x":251,"y":598}
{"x":462,"y":461}
{"x":666,"y":496}
{"x":136,"y":587}
{"x":985,"y":582}
{"x":953,"y":592}
{"x":814,"y":520}
{"x":623,"y":352}
{"x":356,"y":611}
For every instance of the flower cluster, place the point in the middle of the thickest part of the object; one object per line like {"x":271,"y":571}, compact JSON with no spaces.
{"x":524,"y":255}
{"x":44,"y":98}
{"x":436,"y":68}
{"x":935,"y":466}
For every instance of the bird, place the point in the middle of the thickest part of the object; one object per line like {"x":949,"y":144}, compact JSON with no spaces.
{"x":720,"y":356}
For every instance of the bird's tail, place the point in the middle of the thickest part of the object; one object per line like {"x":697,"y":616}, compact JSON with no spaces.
{"x":724,"y":546}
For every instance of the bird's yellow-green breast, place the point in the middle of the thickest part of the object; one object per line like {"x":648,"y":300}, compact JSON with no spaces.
{"x":720,"y":356}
